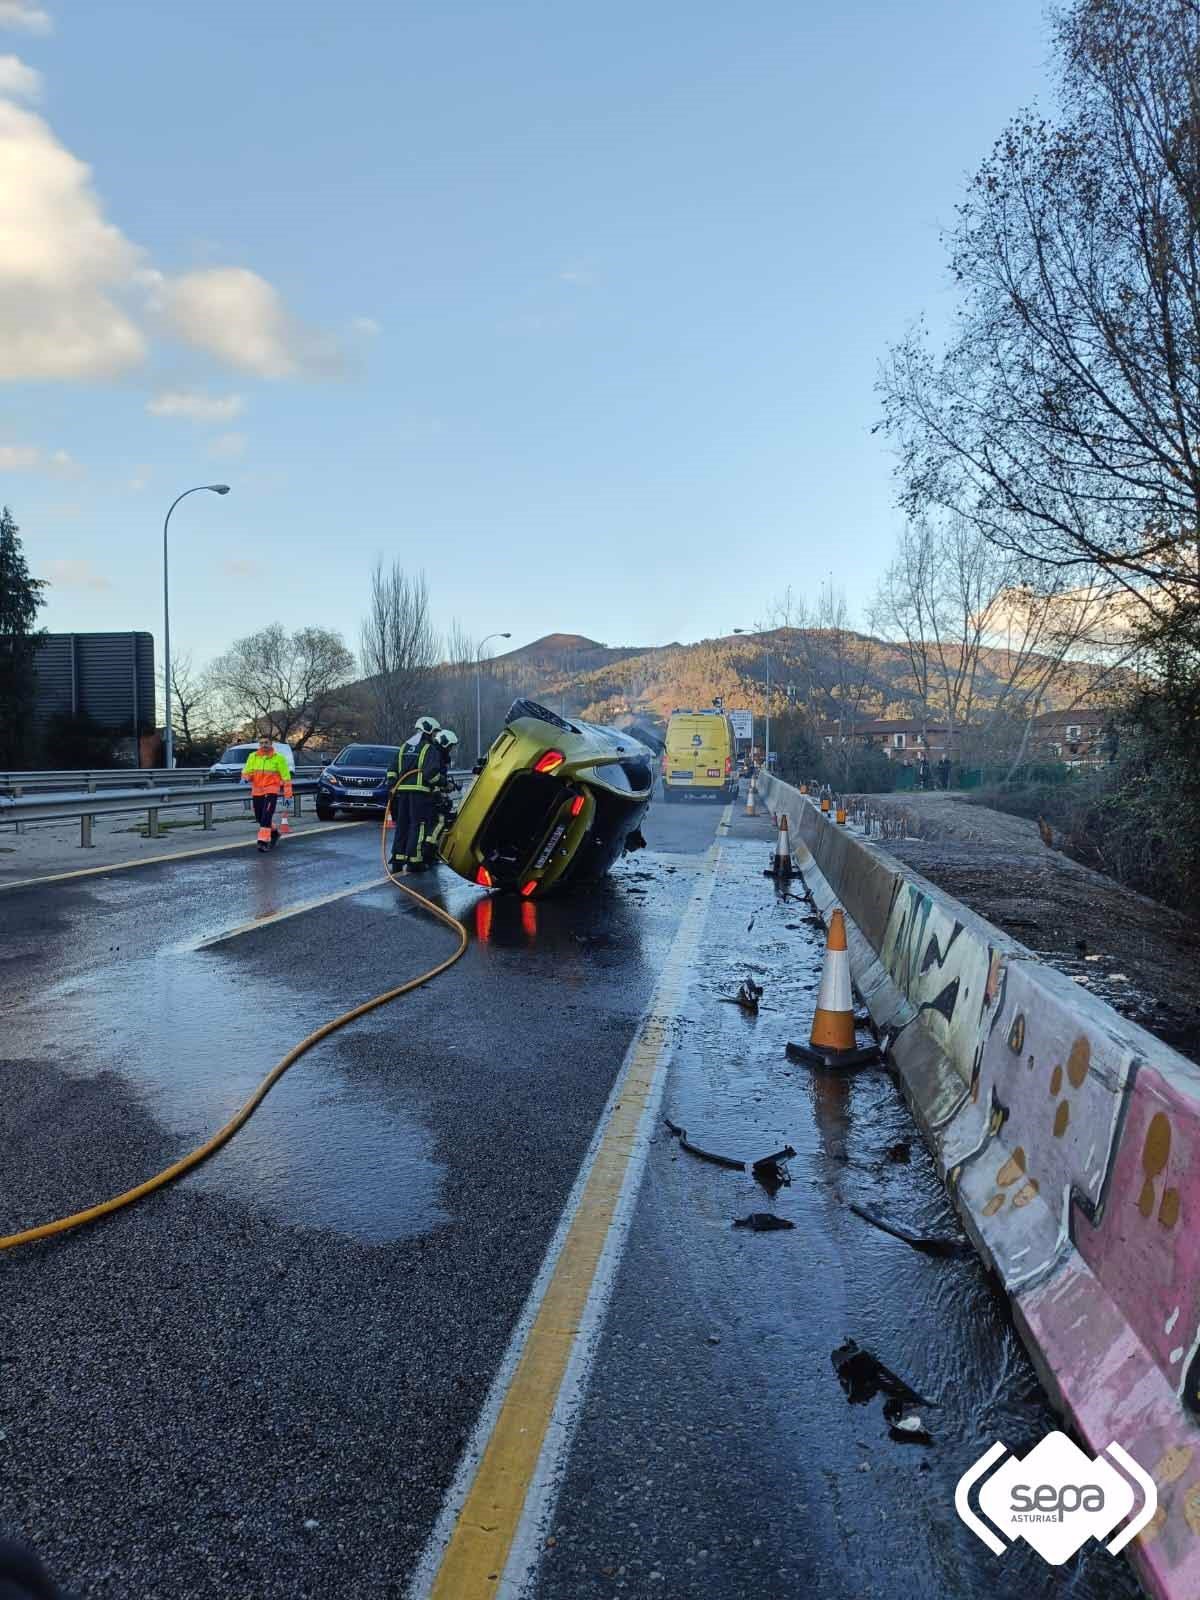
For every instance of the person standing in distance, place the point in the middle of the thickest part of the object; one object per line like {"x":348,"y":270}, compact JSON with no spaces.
{"x":268,"y":774}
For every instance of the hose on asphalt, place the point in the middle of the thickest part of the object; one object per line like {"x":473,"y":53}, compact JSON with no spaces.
{"x":186,"y":1163}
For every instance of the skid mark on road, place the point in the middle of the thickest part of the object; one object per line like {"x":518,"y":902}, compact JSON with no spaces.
{"x":487,"y":1538}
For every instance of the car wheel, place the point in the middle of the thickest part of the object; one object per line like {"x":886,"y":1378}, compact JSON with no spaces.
{"x":324,"y":813}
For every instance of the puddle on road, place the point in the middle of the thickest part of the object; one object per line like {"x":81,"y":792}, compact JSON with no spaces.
{"x":326,"y":1149}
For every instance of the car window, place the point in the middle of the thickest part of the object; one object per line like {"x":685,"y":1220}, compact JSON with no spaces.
{"x":367,"y":755}
{"x":236,"y":752}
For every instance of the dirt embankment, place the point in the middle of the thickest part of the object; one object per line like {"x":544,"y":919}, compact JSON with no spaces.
{"x":1139,"y":956}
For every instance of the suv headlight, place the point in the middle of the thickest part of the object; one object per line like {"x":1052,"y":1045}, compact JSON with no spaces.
{"x":329,"y":777}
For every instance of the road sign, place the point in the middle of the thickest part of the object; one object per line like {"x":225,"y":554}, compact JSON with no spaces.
{"x":743,"y":724}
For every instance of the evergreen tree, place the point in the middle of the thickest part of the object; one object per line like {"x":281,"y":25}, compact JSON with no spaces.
{"x":20,"y":601}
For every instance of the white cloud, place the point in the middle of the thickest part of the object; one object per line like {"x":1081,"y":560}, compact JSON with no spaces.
{"x":25,"y":15}
{"x":28,"y":458}
{"x":196,"y":405}
{"x":75,"y":292}
{"x":366,"y":326}
{"x":228,"y":446}
{"x":75,"y":575}
{"x":18,"y":80}
{"x":62,"y":266}
{"x":240,"y":318}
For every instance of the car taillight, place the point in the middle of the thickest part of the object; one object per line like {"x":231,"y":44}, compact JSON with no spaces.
{"x":549,"y":761}
{"x":528,"y":888}
{"x":728,"y":765}
{"x":578,"y":804}
{"x":484,"y":877}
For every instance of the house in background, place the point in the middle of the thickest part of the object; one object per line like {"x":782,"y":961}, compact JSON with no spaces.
{"x":904,"y":741}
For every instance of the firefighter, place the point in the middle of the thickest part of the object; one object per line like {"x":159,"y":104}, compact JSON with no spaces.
{"x":441,"y":783}
{"x":268,"y":774}
{"x":412,"y":797}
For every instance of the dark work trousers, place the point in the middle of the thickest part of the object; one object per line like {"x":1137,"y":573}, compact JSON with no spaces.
{"x":414,"y":821}
{"x":264,"y":810}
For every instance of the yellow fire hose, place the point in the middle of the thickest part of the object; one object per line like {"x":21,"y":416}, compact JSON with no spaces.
{"x":241,"y":1117}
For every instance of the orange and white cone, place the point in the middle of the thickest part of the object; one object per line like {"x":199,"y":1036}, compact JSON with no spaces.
{"x":832,"y":1042}
{"x":751,"y":796}
{"x":840,"y":816}
{"x":825,"y":804}
{"x":285,"y":826}
{"x":782,"y":867}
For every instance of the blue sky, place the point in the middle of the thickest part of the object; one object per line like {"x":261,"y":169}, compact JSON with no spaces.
{"x":577,"y":308}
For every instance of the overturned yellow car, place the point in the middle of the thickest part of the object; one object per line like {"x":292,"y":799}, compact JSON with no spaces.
{"x":555,"y":804}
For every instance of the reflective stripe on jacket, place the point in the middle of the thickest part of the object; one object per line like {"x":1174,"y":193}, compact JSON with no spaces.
{"x":268,"y":774}
{"x":416,"y":768}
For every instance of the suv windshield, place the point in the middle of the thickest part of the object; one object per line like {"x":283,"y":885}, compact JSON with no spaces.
{"x":237,"y":753}
{"x":367,"y":755}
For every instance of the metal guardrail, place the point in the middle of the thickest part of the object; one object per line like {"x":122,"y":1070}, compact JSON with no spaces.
{"x":169,"y":797}
{"x":97,"y":778}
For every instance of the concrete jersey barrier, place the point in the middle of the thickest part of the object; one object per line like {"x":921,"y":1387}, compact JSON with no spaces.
{"x":1070,"y":1140}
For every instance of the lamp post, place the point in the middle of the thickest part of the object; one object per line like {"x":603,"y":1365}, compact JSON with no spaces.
{"x":168,"y":736}
{"x":766,"y":709}
{"x":478,"y":713}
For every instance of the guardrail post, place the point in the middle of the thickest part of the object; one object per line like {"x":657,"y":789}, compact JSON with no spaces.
{"x":296,"y":803}
{"x":153,"y":830}
{"x":206,"y":808}
{"x":85,"y":833}
{"x":17,"y":793}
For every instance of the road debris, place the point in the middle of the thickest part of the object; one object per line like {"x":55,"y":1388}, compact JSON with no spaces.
{"x":704,"y":1155}
{"x":862,"y":1376}
{"x":763,"y":1222}
{"x":771,"y":1172}
{"x":930,"y":1245}
{"x":748,"y":996}
{"x":905,"y":1424}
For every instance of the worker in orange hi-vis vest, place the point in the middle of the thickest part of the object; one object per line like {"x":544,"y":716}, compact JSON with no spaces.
{"x":268,"y":775}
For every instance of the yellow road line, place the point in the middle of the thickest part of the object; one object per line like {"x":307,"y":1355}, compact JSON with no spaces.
{"x":289,"y":911}
{"x":179,"y":855}
{"x":477,"y":1550}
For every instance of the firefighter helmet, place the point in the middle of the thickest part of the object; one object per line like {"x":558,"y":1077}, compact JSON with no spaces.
{"x":447,"y":738}
{"x":427,"y":725}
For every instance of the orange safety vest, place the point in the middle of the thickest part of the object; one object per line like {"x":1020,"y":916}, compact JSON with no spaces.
{"x":268,"y":774}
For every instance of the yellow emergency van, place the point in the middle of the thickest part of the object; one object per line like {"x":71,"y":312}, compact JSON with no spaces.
{"x":699,"y":758}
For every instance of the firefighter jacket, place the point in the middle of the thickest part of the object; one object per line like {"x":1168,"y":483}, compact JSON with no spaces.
{"x":268,"y":774}
{"x":420,"y":768}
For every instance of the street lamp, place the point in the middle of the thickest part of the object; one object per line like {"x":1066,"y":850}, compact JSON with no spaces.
{"x":767,"y":715}
{"x":478,"y":716}
{"x":168,"y":737}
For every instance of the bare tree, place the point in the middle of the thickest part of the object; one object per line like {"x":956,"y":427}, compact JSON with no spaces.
{"x":399,"y":649}
{"x":195,"y":711}
{"x":1064,"y":416}
{"x":287,"y":685}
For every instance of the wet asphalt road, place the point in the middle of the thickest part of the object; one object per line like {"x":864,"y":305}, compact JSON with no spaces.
{"x":259,"y":1382}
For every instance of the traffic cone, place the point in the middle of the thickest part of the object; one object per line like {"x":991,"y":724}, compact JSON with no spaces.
{"x":782,"y":867}
{"x":751,"y":796}
{"x":832,"y":1042}
{"x":825,"y":804}
{"x":840,"y":816}
{"x":285,"y":826}
{"x":803,"y":788}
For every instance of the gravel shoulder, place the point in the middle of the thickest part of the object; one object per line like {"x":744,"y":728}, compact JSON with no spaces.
{"x":1141,"y":957}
